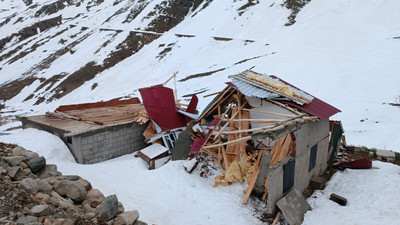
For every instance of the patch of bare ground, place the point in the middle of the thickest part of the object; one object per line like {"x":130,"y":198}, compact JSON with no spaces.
{"x":205,"y":5}
{"x":294,"y":6}
{"x":132,"y":44}
{"x":48,"y":83}
{"x":396,"y":37}
{"x":249,"y":3}
{"x":206,"y":74}
{"x":109,"y":40}
{"x":32,"y":48}
{"x":44,"y":64}
{"x":30,"y":31}
{"x":165,"y":51}
{"x":135,"y":11}
{"x":222,"y":39}
{"x":169,"y":14}
{"x":11,"y":89}
{"x":53,"y":7}
{"x":7,"y":20}
{"x":245,"y":60}
{"x":185,"y":35}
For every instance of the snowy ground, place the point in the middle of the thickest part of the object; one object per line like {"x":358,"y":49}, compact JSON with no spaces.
{"x":170,"y":195}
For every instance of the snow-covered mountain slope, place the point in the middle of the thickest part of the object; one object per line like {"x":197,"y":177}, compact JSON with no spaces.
{"x":73,"y":51}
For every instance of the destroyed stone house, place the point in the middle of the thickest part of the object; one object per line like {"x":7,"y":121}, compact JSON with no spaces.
{"x":96,"y":132}
{"x":276,"y":134}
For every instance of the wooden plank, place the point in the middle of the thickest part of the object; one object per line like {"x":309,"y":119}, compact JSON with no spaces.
{"x":215,"y":93}
{"x":225,"y":158}
{"x":251,"y":185}
{"x":229,"y":142}
{"x":277,"y":218}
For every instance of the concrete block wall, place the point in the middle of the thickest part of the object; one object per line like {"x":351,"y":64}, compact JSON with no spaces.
{"x":108,"y":143}
{"x":307,"y":136}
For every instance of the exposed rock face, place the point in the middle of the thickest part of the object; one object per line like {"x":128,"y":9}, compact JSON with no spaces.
{"x":51,"y":198}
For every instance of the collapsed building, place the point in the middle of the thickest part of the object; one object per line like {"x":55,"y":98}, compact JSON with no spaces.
{"x":269,"y":131}
{"x":96,"y":132}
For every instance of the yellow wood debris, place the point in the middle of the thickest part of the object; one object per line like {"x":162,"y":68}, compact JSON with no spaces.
{"x":276,"y":85}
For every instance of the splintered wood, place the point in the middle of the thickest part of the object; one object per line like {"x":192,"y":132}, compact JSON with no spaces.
{"x":232,"y":144}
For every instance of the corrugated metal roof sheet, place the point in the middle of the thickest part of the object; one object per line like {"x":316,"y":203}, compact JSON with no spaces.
{"x":316,"y":107}
{"x":250,"y":90}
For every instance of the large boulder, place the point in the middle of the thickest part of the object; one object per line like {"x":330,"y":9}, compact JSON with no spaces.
{"x":36,"y":164}
{"x":108,"y":208}
{"x":72,"y":189}
{"x":94,"y":197}
{"x":29,"y":185}
{"x":127,"y":218}
{"x":14,"y":160}
{"x":28,"y":155}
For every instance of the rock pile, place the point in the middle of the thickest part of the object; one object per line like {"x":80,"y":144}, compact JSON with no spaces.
{"x":33,"y":193}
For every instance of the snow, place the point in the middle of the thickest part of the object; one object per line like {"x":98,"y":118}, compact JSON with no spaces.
{"x":372,"y":197}
{"x":168,"y":195}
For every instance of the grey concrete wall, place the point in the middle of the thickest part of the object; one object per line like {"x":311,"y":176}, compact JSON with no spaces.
{"x":307,"y":136}
{"x":108,"y":143}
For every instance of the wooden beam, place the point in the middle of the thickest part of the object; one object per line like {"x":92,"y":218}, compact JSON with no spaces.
{"x":228,"y":142}
{"x":277,"y":218}
{"x":258,"y":120}
{"x":215,"y":93}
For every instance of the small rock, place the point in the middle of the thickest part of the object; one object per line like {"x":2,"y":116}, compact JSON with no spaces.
{"x":18,"y":150}
{"x":47,"y":221}
{"x":14,"y":160}
{"x":15,"y":172}
{"x":44,"y":186}
{"x":89,"y":209}
{"x":89,"y":216}
{"x":57,"y":200}
{"x":121,"y":208}
{"x":43,"y":197}
{"x":48,"y":170}
{"x":23,"y":165}
{"x":29,"y":185}
{"x":36,"y":164}
{"x":72,"y":177}
{"x":28,"y":155}
{"x":40,"y":210}
{"x":94,"y":197}
{"x":61,"y":221}
{"x":125,"y":218}
{"x":27,"y":219}
{"x":139,"y":222}
{"x":108,"y":208}
{"x":72,"y":189}
{"x":53,"y":180}
{"x":4,"y":165}
{"x":85,"y":183}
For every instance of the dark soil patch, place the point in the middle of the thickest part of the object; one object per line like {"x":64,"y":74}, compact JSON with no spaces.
{"x":205,"y":5}
{"x":139,"y":7}
{"x":222,"y":39}
{"x":32,"y":48}
{"x":165,"y":51}
{"x":393,"y":37}
{"x":11,"y":89}
{"x":8,"y":19}
{"x":249,"y":3}
{"x":201,"y":75}
{"x":294,"y":6}
{"x":94,"y":86}
{"x":395,"y":104}
{"x":53,"y":7}
{"x":170,"y":13}
{"x":132,"y":44}
{"x":185,"y":35}
{"x":245,"y":60}
{"x":20,"y":19}
{"x":111,"y":39}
